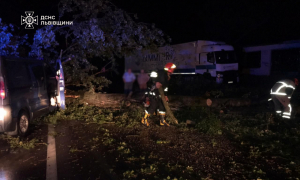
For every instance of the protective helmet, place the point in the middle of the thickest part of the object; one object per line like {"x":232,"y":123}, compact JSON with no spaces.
{"x":296,"y":81}
{"x":170,"y":67}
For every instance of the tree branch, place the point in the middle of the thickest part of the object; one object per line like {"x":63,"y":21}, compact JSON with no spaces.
{"x":66,"y":61}
{"x":100,"y":72}
{"x":70,"y":47}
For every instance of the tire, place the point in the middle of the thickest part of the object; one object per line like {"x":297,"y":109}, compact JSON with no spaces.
{"x":23,"y":124}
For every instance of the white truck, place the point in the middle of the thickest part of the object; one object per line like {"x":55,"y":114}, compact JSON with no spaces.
{"x":197,"y":57}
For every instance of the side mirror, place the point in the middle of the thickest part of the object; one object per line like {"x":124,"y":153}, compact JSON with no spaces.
{"x":211,"y":58}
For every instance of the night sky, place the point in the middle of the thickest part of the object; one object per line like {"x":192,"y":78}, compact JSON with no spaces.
{"x":237,"y":22}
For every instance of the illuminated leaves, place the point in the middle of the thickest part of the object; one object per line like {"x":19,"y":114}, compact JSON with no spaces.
{"x":9,"y":43}
{"x":99,"y":29}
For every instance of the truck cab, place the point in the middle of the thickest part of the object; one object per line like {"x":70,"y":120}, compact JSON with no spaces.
{"x":219,"y":60}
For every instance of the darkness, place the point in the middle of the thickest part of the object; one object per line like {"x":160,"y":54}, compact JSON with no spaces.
{"x":11,"y":11}
{"x":241,"y":23}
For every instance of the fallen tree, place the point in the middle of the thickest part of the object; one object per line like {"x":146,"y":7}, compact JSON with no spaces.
{"x":230,"y":102}
{"x":170,"y":114}
{"x":114,"y":100}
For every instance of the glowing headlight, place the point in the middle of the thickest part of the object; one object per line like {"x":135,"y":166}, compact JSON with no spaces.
{"x":52,"y":101}
{"x":2,"y":114}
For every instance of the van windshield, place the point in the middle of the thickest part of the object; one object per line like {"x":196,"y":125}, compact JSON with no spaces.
{"x":225,"y":57}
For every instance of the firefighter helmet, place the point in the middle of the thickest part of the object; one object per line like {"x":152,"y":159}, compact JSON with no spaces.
{"x":296,"y":81}
{"x":170,"y":67}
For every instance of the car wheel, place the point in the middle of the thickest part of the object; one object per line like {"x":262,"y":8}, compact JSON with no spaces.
{"x":23,"y":124}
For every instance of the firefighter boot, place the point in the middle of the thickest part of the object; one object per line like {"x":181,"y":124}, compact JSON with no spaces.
{"x":162,"y":120}
{"x":145,"y":119}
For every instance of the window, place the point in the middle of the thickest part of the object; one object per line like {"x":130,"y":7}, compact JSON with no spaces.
{"x":18,"y":75}
{"x":38,"y":72}
{"x":211,"y":58}
{"x":225,"y":57}
{"x":253,"y":59}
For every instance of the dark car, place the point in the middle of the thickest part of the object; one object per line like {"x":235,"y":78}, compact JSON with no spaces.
{"x":29,"y":89}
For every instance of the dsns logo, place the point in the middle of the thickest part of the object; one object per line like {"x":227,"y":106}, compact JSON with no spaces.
{"x":29,"y":20}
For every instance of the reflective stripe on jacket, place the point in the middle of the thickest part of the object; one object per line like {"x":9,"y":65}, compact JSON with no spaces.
{"x":162,"y":77}
{"x":283,"y":88}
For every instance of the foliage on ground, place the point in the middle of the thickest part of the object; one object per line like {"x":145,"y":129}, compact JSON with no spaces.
{"x":259,"y":147}
{"x":205,"y":120}
{"x":16,"y":142}
{"x":218,"y":146}
{"x":269,"y":141}
{"x":129,"y":116}
{"x":82,"y":112}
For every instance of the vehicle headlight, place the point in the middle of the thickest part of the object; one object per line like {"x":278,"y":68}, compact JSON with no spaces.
{"x":2,"y":114}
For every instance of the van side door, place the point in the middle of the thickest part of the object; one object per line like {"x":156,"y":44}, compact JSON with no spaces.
{"x":39,"y":86}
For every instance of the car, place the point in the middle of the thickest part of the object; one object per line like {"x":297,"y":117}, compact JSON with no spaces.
{"x":29,"y":89}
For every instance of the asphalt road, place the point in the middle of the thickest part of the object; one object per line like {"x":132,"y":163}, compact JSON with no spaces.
{"x":69,"y":157}
{"x":18,"y":164}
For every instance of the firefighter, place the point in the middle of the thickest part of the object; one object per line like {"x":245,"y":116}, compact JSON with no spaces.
{"x":153,"y":99}
{"x":281,"y":94}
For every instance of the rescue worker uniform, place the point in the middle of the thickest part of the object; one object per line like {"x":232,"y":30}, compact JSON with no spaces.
{"x":281,"y":94}
{"x":155,"y":102}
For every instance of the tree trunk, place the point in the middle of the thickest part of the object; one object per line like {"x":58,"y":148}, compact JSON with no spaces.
{"x":113,"y":100}
{"x":230,"y":102}
{"x":168,"y":110}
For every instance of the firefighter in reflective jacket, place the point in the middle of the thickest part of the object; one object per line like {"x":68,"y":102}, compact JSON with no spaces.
{"x":281,"y":94}
{"x":153,"y":99}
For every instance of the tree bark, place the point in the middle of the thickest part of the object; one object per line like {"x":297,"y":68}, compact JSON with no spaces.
{"x":230,"y":102}
{"x":113,"y":100}
{"x":168,"y":110}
